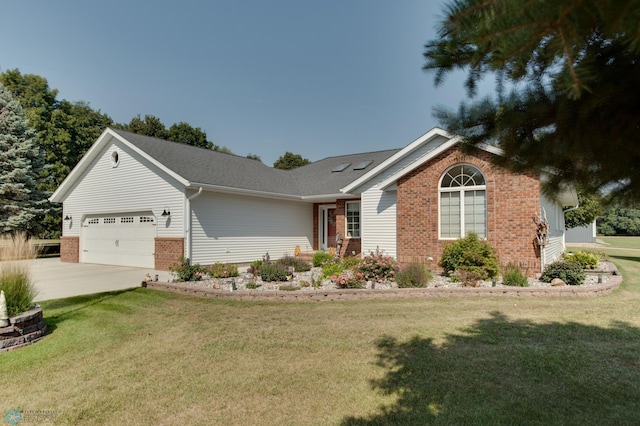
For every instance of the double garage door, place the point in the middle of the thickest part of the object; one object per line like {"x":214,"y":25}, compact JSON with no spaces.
{"x":119,"y":239}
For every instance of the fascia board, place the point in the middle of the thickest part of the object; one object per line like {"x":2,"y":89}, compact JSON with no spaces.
{"x":436,"y":131}
{"x":420,"y":161}
{"x":242,"y":191}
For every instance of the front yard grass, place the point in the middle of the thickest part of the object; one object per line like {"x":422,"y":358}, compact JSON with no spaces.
{"x":147,"y":357}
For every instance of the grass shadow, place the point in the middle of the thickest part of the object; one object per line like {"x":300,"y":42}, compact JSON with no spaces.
{"x":629,"y":258}
{"x":75,"y":305}
{"x":500,"y":371}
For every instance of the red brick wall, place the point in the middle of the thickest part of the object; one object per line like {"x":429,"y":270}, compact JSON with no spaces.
{"x":168,"y":251}
{"x":349,"y":245}
{"x":70,"y":249}
{"x":512,"y":201}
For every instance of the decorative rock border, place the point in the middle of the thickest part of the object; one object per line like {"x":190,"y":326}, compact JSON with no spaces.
{"x":23,"y":329}
{"x":612,"y":283}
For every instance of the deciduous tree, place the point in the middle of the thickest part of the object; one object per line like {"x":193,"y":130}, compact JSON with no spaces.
{"x":289,"y":161}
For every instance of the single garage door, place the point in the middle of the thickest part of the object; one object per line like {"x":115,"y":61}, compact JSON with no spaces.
{"x":119,"y":239}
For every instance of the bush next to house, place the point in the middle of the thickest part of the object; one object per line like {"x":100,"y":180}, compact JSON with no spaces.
{"x":222,"y":270}
{"x":272,"y":271}
{"x":472,"y":255}
{"x":320,"y":258}
{"x":585,"y":259}
{"x":413,"y":275}
{"x":378,"y":268}
{"x":295,"y":263}
{"x":569,"y":272}
{"x":185,"y":271}
{"x":331,"y":269}
{"x":512,"y":275}
{"x":349,"y":279}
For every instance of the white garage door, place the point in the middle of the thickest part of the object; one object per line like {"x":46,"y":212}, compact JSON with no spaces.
{"x":119,"y":239}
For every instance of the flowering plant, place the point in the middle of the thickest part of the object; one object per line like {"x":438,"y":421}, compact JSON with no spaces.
{"x":378,"y":268}
{"x":349,"y":279}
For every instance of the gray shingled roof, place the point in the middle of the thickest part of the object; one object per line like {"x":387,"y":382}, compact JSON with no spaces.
{"x":204,"y":166}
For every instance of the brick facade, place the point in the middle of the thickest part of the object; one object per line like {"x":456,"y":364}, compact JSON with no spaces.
{"x":349,"y":245}
{"x":512,"y":201}
{"x":70,"y":249}
{"x":167,"y":252}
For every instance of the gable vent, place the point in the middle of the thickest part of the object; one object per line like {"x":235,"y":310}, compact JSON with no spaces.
{"x":363,"y":165}
{"x":341,"y":167}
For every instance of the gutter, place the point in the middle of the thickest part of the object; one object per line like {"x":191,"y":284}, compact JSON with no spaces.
{"x":188,"y":222}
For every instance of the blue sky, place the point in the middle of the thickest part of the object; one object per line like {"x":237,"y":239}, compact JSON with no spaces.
{"x":317,"y":78}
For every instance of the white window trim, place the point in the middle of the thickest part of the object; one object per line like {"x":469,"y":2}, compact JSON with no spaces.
{"x":346,"y":219}
{"x":461,"y":190}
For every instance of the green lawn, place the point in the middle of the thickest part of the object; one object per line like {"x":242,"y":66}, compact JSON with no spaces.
{"x":147,"y":357}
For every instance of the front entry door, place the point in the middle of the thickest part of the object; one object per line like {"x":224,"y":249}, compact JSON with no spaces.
{"x":327,"y":227}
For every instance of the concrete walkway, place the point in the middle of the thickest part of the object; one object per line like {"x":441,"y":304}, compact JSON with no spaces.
{"x":55,"y":279}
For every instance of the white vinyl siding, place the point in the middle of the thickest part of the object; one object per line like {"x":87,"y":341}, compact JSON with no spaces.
{"x":352,"y":214}
{"x":240,"y":229}
{"x":130,"y":187}
{"x":554,"y":215}
{"x":379,"y":222}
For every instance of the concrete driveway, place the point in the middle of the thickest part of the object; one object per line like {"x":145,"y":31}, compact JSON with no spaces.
{"x":55,"y":279}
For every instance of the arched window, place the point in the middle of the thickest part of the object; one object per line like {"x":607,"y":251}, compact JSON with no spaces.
{"x":463,"y":202}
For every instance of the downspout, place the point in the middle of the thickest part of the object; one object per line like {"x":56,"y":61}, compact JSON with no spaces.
{"x":188,"y":248}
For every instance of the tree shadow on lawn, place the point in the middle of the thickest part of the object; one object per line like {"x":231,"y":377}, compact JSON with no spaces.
{"x":76,"y":305}
{"x":499,"y":371}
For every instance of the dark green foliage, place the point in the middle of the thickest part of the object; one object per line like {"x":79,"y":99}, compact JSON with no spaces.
{"x":414,"y":275}
{"x":569,"y":272}
{"x":185,"y":271}
{"x":222,"y":270}
{"x":273,"y":272}
{"x":620,"y":221}
{"x":185,"y":133}
{"x":470,"y":254}
{"x":320,"y":258}
{"x":254,"y":157}
{"x":290,"y":161}
{"x":585,"y":259}
{"x":512,"y":275}
{"x":252,"y":285}
{"x":572,"y":68}
{"x":295,"y":263}
{"x":590,"y":208}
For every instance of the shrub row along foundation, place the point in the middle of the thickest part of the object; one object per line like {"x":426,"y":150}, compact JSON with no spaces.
{"x":24,"y":329}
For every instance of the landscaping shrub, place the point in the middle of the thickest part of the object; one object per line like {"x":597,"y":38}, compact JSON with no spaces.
{"x":471,"y":254}
{"x":414,"y":275}
{"x":255,"y":267}
{"x":185,"y":271}
{"x":350,"y":262}
{"x":349,"y":279}
{"x":273,"y":272}
{"x":320,"y":258}
{"x":378,"y":268}
{"x":585,"y":259}
{"x":569,"y":272}
{"x":222,"y":270}
{"x":469,"y":276}
{"x":298,"y":265}
{"x":512,"y":275}
{"x":332,"y":268}
{"x":15,"y":277}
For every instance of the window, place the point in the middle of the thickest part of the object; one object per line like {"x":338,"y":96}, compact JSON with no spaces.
{"x":128,"y":219}
{"x":463,"y":202}
{"x":353,"y":219}
{"x":108,"y":220}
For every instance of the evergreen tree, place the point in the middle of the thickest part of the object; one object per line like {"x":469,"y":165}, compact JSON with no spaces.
{"x":573,"y":73}
{"x":23,"y":204}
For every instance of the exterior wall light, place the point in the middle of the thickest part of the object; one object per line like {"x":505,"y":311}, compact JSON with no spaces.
{"x":166,"y":212}
{"x":67,"y":217}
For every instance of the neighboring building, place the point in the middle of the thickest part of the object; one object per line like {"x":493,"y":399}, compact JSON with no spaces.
{"x":140,"y":201}
{"x":581,"y":234}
